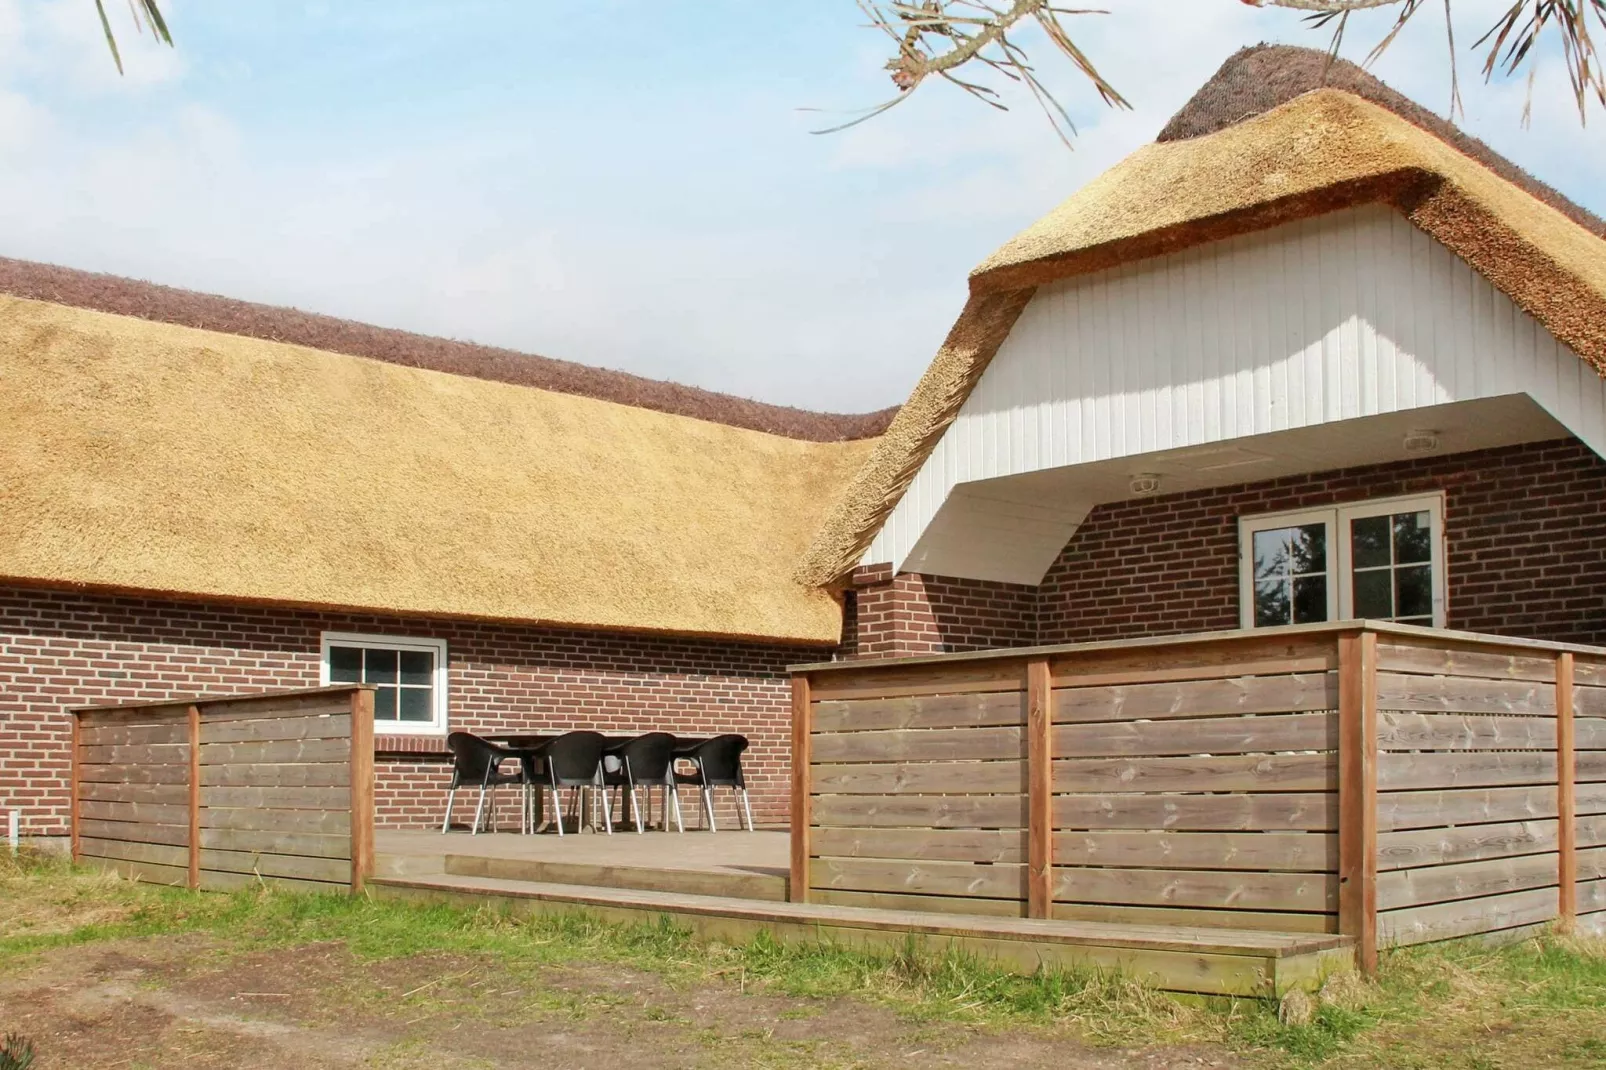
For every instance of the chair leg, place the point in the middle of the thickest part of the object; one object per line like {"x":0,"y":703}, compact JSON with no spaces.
{"x":607,"y":811}
{"x":635,"y":806}
{"x":557,"y":808}
{"x":451,"y":796}
{"x":708,"y":804}
{"x":674,"y":798}
{"x":747,"y":809}
{"x":479,"y":813}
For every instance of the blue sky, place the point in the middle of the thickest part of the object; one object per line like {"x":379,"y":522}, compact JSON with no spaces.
{"x":627,"y":184}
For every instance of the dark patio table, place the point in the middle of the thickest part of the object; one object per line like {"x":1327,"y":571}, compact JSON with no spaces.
{"x":529,"y":748}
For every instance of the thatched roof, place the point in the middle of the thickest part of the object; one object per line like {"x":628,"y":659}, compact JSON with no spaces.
{"x":1321,"y":150}
{"x":166,"y":304}
{"x":148,"y":457}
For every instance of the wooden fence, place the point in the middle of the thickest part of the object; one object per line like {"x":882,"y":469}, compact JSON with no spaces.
{"x":1392,"y":783}
{"x":223,"y":793}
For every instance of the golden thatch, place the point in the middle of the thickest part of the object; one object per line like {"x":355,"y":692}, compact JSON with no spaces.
{"x":149,"y":457}
{"x":1323,"y":150}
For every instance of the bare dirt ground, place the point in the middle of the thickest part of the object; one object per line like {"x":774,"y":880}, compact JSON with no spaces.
{"x":188,"y":1001}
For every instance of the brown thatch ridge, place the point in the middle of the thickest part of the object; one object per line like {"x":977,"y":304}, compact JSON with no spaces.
{"x":187,"y":308}
{"x":1229,"y":169}
{"x":1256,"y":79}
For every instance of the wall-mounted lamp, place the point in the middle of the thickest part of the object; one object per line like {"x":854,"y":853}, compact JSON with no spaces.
{"x":1144,"y":484}
{"x":1421,"y":441}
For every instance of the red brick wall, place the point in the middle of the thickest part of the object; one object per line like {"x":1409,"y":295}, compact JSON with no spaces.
{"x":915,"y":614}
{"x":1525,"y":526}
{"x":62,"y":649}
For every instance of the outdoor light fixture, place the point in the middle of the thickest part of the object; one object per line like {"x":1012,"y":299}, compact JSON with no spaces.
{"x":1421,"y":441}
{"x":1145,"y":483}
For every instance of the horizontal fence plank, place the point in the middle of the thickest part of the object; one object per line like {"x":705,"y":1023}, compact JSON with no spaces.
{"x":1442,"y":659}
{"x":1221,"y":735}
{"x":965,"y":879}
{"x":312,"y":845}
{"x":890,"y":778}
{"x":1589,"y":733}
{"x":1462,"y":806}
{"x":287,"y":751}
{"x":1197,"y":698}
{"x":160,"y":853}
{"x":98,"y":791}
{"x":333,"y":822}
{"x":1591,"y":896}
{"x":1198,"y":917}
{"x":271,"y":707}
{"x":1241,"y":772}
{"x":123,"y":735}
{"x":1466,"y":917}
{"x":1286,"y":811}
{"x":330,"y":726}
{"x":165,"y":713}
{"x":1588,"y":701}
{"x":1399,"y":771}
{"x":936,"y":904}
{"x":1466,"y":843}
{"x":1234,"y":890}
{"x":134,"y":774}
{"x":135,"y":831}
{"x":900,"y":681}
{"x":278,"y":798}
{"x":967,"y":845}
{"x":136,"y":755}
{"x":920,"y":744}
{"x":1589,"y":799}
{"x":1464,"y":880}
{"x":176,"y":814}
{"x":1591,"y":831}
{"x":227,"y":881}
{"x":1459,"y":694}
{"x":1287,"y":851}
{"x":941,"y":711}
{"x":1591,"y":864}
{"x":274,"y":865}
{"x":1448,"y":731}
{"x":1211,"y":659}
{"x":320,"y":775}
{"x":920,"y":811}
{"x":144,"y":872}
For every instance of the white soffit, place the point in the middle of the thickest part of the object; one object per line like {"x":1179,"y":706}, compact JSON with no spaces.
{"x":1192,"y":366}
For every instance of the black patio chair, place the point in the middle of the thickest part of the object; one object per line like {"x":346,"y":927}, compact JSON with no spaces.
{"x":717,"y":762}
{"x":479,"y":761}
{"x":573,"y":760}
{"x":645,"y":761}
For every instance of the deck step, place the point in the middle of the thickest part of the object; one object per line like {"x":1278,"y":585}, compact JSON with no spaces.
{"x":1210,"y":961}
{"x":731,"y":882}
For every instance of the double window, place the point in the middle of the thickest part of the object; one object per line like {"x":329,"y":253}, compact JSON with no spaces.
{"x":1381,"y":560}
{"x":409,"y":678}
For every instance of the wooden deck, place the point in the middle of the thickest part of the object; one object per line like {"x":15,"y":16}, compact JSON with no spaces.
{"x":736,"y":864}
{"x":1205,"y":961}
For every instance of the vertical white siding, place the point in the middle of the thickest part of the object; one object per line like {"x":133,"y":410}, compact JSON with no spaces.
{"x":1355,"y":313}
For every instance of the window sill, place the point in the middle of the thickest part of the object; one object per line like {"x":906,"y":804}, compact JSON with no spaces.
{"x":409,"y":743}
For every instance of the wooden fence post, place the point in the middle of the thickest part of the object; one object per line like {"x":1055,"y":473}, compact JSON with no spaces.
{"x":73,"y":787}
{"x":362,"y":788}
{"x":1357,"y":795}
{"x":195,"y":795}
{"x":797,"y":889}
{"x":1566,"y":800}
{"x":1039,"y":790}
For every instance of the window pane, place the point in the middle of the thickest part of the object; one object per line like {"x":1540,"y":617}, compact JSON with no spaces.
{"x":1271,"y":553}
{"x":417,"y":667}
{"x":385,"y":704}
{"x":381,"y":666}
{"x":1413,"y":537}
{"x":1369,"y":543}
{"x":1374,"y":594}
{"x":1271,"y":603}
{"x":1413,"y":591}
{"x":1309,"y":548}
{"x":345,"y":665}
{"x":1310,"y":599}
{"x":416,"y":703}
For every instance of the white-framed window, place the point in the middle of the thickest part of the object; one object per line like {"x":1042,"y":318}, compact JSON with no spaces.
{"x":409,"y":678}
{"x":1376,"y":560}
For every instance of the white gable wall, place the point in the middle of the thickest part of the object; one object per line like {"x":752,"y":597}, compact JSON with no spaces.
{"x":1352,"y":314}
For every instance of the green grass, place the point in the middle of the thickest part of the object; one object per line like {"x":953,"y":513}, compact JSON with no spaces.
{"x":1447,"y":1006}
